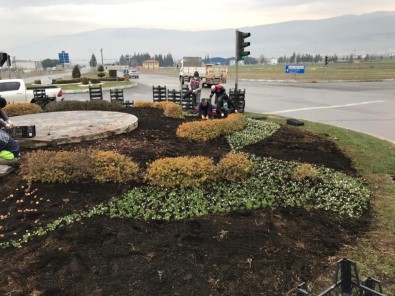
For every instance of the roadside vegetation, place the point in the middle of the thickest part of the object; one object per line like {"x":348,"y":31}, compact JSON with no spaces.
{"x":82,"y":83}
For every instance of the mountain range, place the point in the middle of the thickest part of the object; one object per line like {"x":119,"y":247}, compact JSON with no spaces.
{"x":372,"y":33}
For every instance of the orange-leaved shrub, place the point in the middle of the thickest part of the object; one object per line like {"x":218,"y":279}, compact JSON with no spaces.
{"x":233,"y":123}
{"x":234,"y":167}
{"x":203,"y":131}
{"x":199,"y":131}
{"x":170,"y":109}
{"x":181,"y":171}
{"x":110,"y":166}
{"x":143,"y":104}
{"x":18,"y":109}
{"x":305,"y":171}
{"x":74,"y":166}
{"x":56,"y":167}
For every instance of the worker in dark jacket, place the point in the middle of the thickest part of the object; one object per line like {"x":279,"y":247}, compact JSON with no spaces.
{"x":217,"y":90}
{"x":205,"y":109}
{"x":9,"y":149}
{"x":225,"y":106}
{"x":4,"y":120}
{"x":195,"y":88}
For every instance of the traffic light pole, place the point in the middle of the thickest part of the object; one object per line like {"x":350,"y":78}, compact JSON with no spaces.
{"x":241,"y":44}
{"x":237,"y":61}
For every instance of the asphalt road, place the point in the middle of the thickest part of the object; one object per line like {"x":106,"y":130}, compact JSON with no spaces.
{"x":367,"y":107}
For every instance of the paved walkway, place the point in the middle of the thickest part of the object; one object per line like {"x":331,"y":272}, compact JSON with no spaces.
{"x":56,"y":128}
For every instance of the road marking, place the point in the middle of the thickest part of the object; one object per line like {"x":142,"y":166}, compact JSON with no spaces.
{"x":324,"y":107}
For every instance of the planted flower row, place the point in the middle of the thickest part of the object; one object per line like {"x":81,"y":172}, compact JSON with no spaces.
{"x":271,"y":183}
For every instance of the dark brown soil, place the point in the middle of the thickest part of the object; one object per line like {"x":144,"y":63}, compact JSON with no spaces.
{"x":264,"y":252}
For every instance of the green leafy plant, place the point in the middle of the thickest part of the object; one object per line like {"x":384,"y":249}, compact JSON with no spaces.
{"x":76,"y":73}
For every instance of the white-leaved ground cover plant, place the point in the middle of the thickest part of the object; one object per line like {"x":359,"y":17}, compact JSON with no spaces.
{"x":270,"y":184}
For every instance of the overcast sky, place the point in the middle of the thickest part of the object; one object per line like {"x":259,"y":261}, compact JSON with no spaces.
{"x":23,"y":21}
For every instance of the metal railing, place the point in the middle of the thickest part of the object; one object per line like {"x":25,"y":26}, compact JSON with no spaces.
{"x":347,"y":283}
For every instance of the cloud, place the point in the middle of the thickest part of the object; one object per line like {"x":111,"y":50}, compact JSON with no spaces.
{"x":33,"y":20}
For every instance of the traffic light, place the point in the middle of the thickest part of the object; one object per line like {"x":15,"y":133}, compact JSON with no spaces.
{"x":326,"y":60}
{"x":241,"y":45}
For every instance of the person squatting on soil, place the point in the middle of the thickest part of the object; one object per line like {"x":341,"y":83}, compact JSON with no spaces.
{"x":9,"y":149}
{"x":205,"y":109}
{"x":225,"y":106}
{"x":4,"y":120}
{"x":217,"y":90}
{"x":195,"y":88}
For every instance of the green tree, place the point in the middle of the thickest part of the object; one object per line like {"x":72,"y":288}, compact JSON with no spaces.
{"x":49,"y":63}
{"x":122,"y":60}
{"x":93,"y":61}
{"x":76,"y":72}
{"x":101,"y":73}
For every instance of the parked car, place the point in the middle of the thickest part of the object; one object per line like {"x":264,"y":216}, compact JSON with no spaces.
{"x":134,"y":74}
{"x":15,"y":91}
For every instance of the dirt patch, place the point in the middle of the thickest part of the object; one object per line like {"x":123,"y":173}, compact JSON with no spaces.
{"x":265,"y":252}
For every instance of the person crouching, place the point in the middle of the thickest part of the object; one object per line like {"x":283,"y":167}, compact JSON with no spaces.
{"x":225,"y":106}
{"x":9,"y":149}
{"x":204,"y":109}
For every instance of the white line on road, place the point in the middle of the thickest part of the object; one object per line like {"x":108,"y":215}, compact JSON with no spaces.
{"x":324,"y":107}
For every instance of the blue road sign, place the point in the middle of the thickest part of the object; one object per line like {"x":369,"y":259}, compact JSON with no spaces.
{"x":294,"y":69}
{"x":64,"y":58}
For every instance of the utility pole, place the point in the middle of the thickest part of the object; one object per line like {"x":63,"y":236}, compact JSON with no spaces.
{"x":101,"y":53}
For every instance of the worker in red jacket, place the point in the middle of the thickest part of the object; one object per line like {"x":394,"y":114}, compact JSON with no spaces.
{"x":217,"y":90}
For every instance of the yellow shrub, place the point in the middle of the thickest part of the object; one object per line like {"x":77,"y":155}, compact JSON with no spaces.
{"x":143,"y":104}
{"x":162,"y":105}
{"x":181,"y":171}
{"x":203,"y":131}
{"x":234,"y":167}
{"x":18,"y":109}
{"x":74,"y":166}
{"x":110,"y":166}
{"x":170,"y":109}
{"x":233,"y":123}
{"x":56,"y":167}
{"x":199,"y":131}
{"x":305,"y":171}
{"x":173,"y":110}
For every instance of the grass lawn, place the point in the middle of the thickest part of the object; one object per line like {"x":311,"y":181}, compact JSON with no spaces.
{"x":365,"y":71}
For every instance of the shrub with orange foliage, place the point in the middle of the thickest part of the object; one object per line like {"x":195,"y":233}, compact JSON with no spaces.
{"x":18,"y":109}
{"x":234,"y":167}
{"x":181,"y":171}
{"x":203,"y":131}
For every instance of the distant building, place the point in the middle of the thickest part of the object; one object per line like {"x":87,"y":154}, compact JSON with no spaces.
{"x":27,"y":65}
{"x":273,"y":61}
{"x":233,"y":62}
{"x":217,"y":61}
{"x":150,"y":64}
